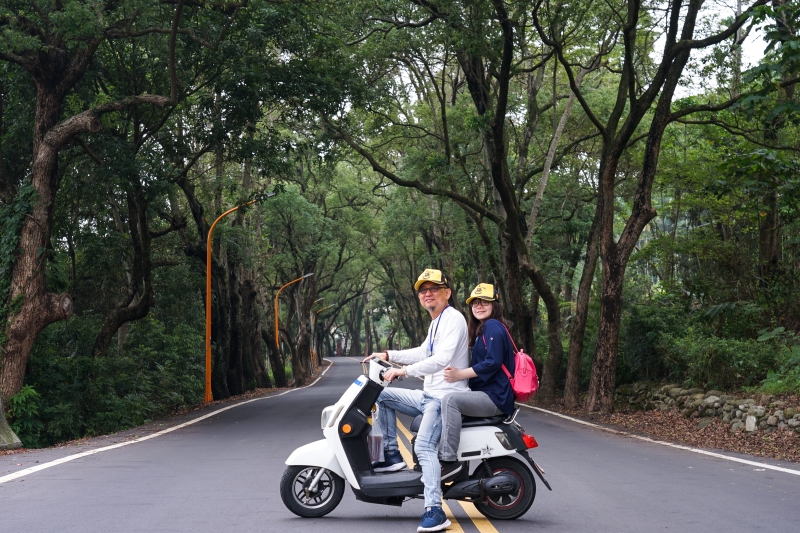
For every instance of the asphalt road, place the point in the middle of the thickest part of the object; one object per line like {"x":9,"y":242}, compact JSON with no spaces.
{"x":222,"y":474}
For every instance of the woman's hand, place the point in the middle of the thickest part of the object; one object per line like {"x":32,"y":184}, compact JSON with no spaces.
{"x":451,"y":375}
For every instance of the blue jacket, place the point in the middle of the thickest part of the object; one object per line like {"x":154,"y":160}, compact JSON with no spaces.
{"x":487,"y":359}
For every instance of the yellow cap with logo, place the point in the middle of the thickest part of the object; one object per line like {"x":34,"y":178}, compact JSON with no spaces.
{"x":484,"y":291}
{"x":432,"y":275}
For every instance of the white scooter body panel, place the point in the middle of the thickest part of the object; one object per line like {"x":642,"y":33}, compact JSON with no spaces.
{"x":481,"y":443}
{"x":331,"y":432}
{"x":318,"y":453}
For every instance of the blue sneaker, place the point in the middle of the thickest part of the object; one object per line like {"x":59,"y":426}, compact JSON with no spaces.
{"x":392,"y":462}
{"x":434,"y":519}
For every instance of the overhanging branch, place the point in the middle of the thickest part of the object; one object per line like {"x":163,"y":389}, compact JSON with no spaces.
{"x":89,"y":120}
{"x":380,"y":169}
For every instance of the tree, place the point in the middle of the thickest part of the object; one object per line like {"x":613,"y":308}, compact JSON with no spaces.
{"x":56,"y":53}
{"x":638,"y":98}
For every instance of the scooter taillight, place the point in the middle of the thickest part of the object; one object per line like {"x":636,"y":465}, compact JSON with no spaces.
{"x":529,"y":441}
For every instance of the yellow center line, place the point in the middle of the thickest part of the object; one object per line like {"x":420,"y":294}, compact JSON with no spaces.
{"x":404,"y":431}
{"x":481,"y":522}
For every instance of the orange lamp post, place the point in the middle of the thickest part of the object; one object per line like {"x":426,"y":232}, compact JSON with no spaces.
{"x":208,"y":396}
{"x":278,"y":305}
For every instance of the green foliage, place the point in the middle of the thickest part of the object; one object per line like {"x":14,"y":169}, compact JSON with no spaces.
{"x":786,"y":377}
{"x":23,"y":412}
{"x":644,"y":327}
{"x":713,"y":348}
{"x":159,"y":372}
{"x":716,"y":362}
{"x":12,"y":216}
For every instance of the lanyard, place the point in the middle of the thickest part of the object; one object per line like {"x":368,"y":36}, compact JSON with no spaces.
{"x":432,"y":339}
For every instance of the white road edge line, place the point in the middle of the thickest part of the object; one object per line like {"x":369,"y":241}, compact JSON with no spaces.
{"x":31,"y":470}
{"x":663,"y":443}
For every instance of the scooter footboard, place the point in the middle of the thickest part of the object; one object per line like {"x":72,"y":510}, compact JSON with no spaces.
{"x":318,"y":453}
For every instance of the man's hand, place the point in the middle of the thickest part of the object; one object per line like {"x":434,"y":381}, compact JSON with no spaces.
{"x":451,"y":374}
{"x":394,"y":373}
{"x":383,"y":356}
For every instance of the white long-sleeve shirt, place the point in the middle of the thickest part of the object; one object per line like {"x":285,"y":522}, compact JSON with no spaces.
{"x":450,"y":348}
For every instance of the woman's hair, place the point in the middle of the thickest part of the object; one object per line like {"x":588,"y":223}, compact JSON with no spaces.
{"x":474,"y":326}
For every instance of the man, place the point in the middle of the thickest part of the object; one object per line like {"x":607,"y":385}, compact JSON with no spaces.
{"x":445,"y":345}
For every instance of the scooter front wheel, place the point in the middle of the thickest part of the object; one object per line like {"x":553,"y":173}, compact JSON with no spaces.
{"x":299,"y":497}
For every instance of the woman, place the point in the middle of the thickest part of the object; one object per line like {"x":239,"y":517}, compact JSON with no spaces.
{"x":491,"y":392}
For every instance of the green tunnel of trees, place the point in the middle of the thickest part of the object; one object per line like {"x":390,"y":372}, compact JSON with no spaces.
{"x":622,"y":172}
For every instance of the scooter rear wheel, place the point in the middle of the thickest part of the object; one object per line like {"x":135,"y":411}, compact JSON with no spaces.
{"x":511,"y":506}
{"x":302,"y":502}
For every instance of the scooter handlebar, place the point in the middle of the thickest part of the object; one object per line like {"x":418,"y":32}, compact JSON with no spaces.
{"x":376,"y":370}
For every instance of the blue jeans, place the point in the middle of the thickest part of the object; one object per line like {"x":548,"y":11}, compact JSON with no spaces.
{"x":414,"y":403}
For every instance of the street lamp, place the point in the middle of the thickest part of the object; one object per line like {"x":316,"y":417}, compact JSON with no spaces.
{"x":208,"y":396}
{"x":277,"y":304}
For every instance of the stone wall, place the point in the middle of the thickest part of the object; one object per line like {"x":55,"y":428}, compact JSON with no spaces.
{"x":764,"y":414}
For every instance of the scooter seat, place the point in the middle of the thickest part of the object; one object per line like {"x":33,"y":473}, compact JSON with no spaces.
{"x":466,"y":421}
{"x":473,"y":421}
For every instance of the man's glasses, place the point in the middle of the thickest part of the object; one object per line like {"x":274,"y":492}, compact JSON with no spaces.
{"x":480,"y":303}
{"x":432,"y":290}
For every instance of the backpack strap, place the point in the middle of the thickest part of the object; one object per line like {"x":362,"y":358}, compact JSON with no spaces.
{"x":509,"y":337}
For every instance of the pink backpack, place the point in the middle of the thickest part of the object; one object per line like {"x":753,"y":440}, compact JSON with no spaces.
{"x":525,"y":381}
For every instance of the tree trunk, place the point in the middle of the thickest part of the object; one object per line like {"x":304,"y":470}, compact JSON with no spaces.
{"x":255,"y":372}
{"x":376,"y":338}
{"x":220,"y":329}
{"x":519,"y":312}
{"x":769,"y":249}
{"x":235,"y":371}
{"x":139,"y":299}
{"x":301,"y":357}
{"x":578,"y":333}
{"x":38,"y":307}
{"x":604,"y":370}
{"x":390,"y":339}
{"x":367,"y":335}
{"x":275,"y":362}
{"x":555,"y":354}
{"x":354,"y":328}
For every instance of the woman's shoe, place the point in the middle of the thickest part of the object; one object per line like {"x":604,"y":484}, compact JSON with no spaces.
{"x":450,"y":469}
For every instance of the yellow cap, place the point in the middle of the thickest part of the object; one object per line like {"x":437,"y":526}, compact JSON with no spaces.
{"x":432,"y":275}
{"x":483,"y":291}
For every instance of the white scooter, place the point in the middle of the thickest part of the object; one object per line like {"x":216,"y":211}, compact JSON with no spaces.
{"x":501,"y":486}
